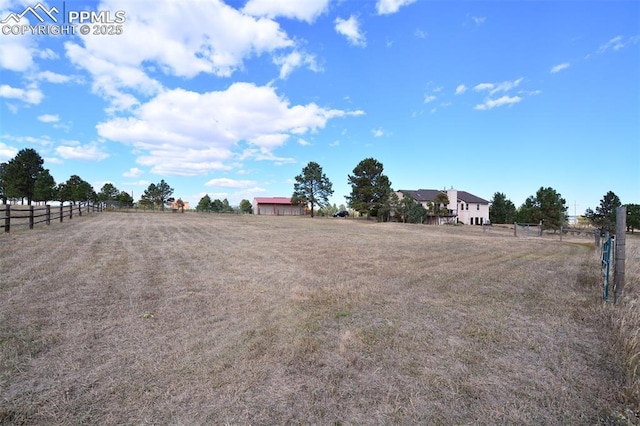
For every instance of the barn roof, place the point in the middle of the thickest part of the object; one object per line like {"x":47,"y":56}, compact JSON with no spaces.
{"x":273,"y":200}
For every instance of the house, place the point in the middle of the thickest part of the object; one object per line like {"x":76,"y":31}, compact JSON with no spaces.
{"x":277,"y":206}
{"x":463,"y":207}
{"x":176,"y":206}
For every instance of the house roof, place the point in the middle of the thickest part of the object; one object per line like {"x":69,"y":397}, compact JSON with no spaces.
{"x":422,"y":195}
{"x":273,"y":200}
{"x":470,"y":198}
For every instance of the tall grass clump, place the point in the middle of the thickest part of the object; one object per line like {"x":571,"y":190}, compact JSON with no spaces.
{"x":627,"y":319}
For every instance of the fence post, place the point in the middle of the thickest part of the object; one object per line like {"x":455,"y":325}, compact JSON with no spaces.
{"x":31,"y":216}
{"x":7,"y":218}
{"x":79,"y":209}
{"x":70,"y":210}
{"x":515,"y":229}
{"x":618,"y":274}
{"x":48,"y":214}
{"x":561,"y":228}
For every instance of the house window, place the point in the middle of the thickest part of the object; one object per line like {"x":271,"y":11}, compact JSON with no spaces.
{"x":467,"y":206}
{"x":462,"y":206}
{"x":477,"y":206}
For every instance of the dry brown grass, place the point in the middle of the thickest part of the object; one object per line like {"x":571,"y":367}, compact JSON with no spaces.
{"x":121,"y":318}
{"x":626,"y":317}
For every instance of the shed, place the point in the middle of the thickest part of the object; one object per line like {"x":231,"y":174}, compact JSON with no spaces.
{"x":277,"y":206}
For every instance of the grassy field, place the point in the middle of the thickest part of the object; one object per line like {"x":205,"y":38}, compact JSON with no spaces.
{"x":117,"y":318}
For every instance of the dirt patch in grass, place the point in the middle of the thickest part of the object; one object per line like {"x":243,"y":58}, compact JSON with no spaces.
{"x":188,"y":318}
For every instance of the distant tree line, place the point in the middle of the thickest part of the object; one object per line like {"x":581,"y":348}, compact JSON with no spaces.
{"x":156,"y":196}
{"x":113,"y":197}
{"x":24,"y":178}
{"x":548,"y":207}
{"x":206,"y":204}
{"x":372,"y":195}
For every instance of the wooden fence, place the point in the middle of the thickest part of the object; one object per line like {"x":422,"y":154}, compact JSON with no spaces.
{"x":21,"y":215}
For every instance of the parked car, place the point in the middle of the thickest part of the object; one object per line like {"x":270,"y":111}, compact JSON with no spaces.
{"x":342,"y":213}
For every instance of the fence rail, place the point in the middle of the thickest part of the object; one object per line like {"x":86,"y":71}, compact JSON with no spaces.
{"x":12,"y":215}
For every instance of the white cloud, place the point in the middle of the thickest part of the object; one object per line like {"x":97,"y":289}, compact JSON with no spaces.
{"x":230,"y":183}
{"x":183,"y":42}
{"x":188,"y":133}
{"x":419,"y":33}
{"x":479,"y":20}
{"x":559,"y":67}
{"x":142,"y":183}
{"x":49,"y":118}
{"x":293,"y":60}
{"x":350,"y":28}
{"x":494,"y":88}
{"x":307,"y":10}
{"x":31,"y":95}
{"x":52,"y":160}
{"x":47,"y":54}
{"x":7,"y":152}
{"x":16,"y":52}
{"x":429,"y":98}
{"x":378,"y":133}
{"x":386,"y":7}
{"x":53,"y":77}
{"x":461,"y":89}
{"x":303,"y":142}
{"x":133,"y":172}
{"x":483,"y":86}
{"x":504,"y":100}
{"x":90,"y":152}
{"x":29,"y":140}
{"x":171,"y":38}
{"x":261,"y":155}
{"x":617,"y":43}
{"x":502,"y":87}
{"x":110,"y":79}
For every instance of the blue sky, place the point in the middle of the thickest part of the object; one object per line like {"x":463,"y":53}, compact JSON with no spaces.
{"x":234,"y":99}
